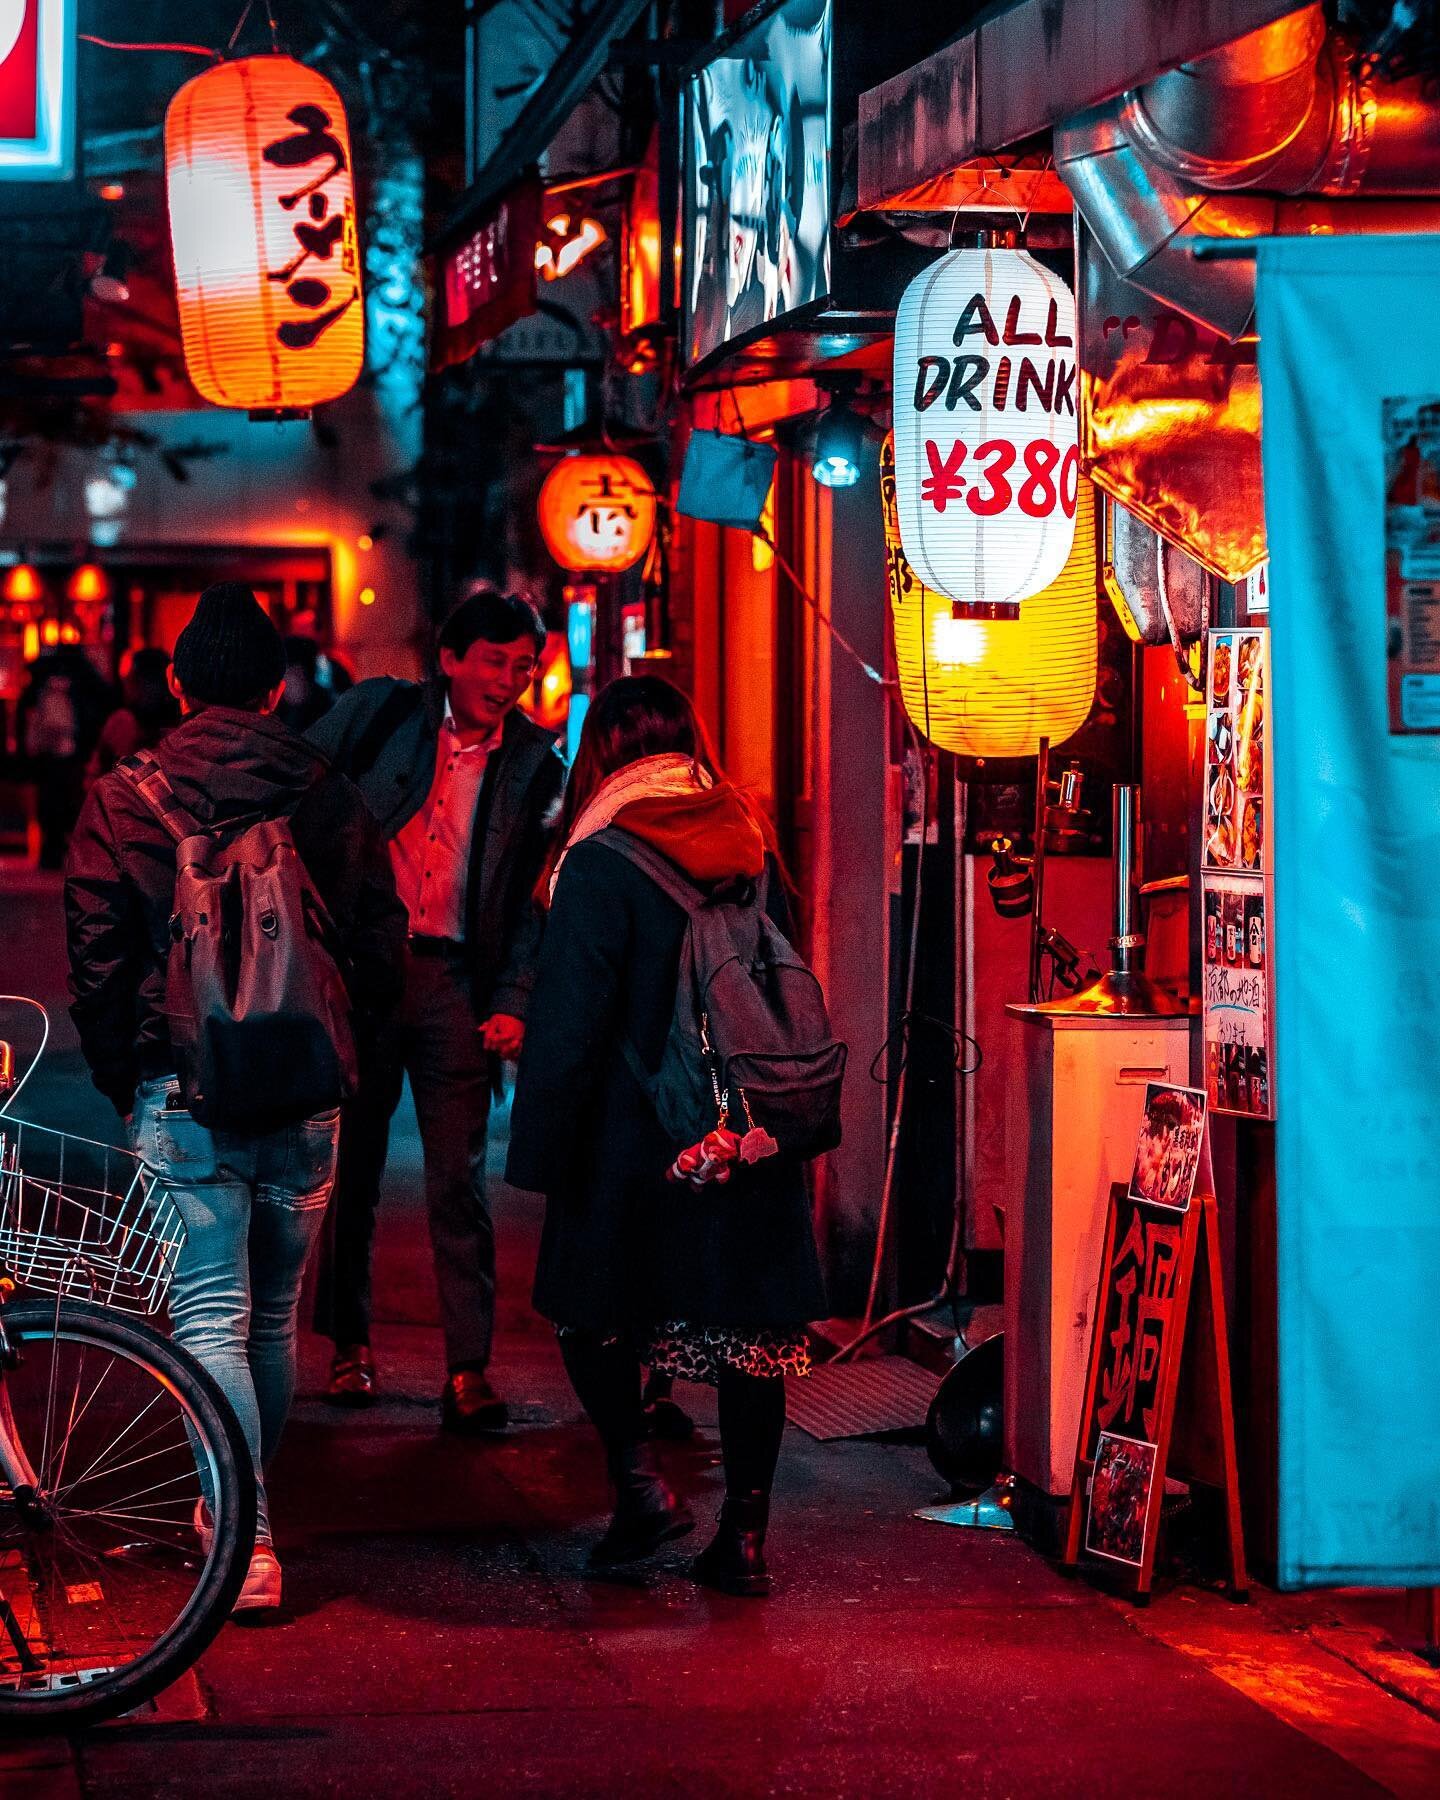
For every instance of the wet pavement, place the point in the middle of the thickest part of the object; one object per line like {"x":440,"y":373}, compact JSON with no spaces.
{"x":442,"y":1638}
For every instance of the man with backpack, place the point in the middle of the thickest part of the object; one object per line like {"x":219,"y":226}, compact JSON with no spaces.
{"x":234,"y":940}
{"x":465,"y":788}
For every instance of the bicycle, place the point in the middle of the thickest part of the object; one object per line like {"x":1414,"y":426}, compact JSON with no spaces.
{"x":127,"y":1496}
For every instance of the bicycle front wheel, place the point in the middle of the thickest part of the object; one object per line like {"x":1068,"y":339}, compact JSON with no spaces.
{"x":121,"y":1563}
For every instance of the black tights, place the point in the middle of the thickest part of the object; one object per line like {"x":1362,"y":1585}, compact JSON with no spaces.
{"x":606,"y":1379}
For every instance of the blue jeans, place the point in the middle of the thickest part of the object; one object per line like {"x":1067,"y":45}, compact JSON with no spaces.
{"x":253,"y":1205}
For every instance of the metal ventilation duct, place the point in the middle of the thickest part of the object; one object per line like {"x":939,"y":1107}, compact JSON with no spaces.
{"x":1223,"y":147}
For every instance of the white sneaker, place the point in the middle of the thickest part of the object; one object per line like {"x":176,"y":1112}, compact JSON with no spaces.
{"x":261,"y":1591}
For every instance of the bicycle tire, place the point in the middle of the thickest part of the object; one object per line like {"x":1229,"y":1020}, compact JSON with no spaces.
{"x":181,"y":1646}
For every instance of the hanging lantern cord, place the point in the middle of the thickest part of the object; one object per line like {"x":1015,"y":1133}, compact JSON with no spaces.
{"x":239,"y":27}
{"x":803,"y":591}
{"x":274,"y":28}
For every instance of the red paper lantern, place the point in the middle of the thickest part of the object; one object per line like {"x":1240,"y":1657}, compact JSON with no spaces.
{"x":597,"y":513}
{"x":262,"y":222}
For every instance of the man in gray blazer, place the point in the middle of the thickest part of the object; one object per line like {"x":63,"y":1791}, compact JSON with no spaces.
{"x":466,"y":789}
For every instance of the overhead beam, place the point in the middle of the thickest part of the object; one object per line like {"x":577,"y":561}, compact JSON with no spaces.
{"x":1021,"y":71}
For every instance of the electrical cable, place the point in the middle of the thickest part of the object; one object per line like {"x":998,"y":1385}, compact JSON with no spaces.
{"x":176,"y":49}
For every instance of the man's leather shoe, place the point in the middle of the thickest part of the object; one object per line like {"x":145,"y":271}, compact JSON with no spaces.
{"x":470,"y":1406}
{"x":352,"y":1377}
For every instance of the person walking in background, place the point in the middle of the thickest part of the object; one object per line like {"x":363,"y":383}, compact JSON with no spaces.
{"x":465,"y":788}
{"x":252,"y":1198}
{"x":58,"y":720}
{"x":146,"y":712}
{"x":708,"y":1284}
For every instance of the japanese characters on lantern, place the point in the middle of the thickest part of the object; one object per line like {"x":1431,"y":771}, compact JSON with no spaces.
{"x":992,"y":688}
{"x":987,"y":455}
{"x":597,"y":513}
{"x":262,"y":223}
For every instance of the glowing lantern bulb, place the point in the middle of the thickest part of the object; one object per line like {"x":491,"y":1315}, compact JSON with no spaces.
{"x":23,"y":585}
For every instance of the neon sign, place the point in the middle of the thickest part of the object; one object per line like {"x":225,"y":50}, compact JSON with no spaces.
{"x":37,"y":90}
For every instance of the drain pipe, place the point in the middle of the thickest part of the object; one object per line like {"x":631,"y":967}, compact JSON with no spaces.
{"x":1221,"y":146}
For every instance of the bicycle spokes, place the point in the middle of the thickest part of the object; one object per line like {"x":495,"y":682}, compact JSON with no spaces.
{"x":102,"y":1477}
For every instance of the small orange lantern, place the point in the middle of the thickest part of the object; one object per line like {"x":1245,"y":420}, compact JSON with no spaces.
{"x":23,"y":590}
{"x":262,"y":222}
{"x":992,"y":688}
{"x":597,"y":513}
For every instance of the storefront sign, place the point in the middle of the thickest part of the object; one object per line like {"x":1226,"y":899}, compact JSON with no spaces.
{"x":37,"y":89}
{"x":597,"y":513}
{"x":1170,"y":420}
{"x":261,"y":190}
{"x":757,"y":178}
{"x":1412,"y":563}
{"x":487,"y":281}
{"x":987,"y":458}
{"x":1236,"y":880}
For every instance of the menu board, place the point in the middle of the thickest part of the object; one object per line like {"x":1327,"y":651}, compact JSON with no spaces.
{"x":1237,"y":880}
{"x":1167,"y":1153}
{"x":1412,"y":563}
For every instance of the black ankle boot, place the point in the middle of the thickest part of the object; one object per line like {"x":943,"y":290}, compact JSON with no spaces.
{"x":734,"y":1560}
{"x":647,"y":1514}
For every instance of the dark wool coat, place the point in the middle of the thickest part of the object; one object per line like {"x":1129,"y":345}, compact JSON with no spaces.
{"x":382,"y":734}
{"x":622,"y":1248}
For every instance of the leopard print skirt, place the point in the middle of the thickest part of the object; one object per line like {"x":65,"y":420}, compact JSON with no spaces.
{"x":701,"y":1352}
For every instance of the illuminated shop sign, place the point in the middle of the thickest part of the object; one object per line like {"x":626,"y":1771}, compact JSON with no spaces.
{"x":37,"y":90}
{"x":757,"y":178}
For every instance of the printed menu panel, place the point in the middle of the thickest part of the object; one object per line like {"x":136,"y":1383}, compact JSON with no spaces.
{"x":1237,"y":769}
{"x":1238,"y":1004}
{"x":1167,"y":1153}
{"x":1412,"y":563}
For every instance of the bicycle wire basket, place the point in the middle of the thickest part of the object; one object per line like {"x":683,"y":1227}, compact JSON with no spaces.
{"x":84,"y":1219}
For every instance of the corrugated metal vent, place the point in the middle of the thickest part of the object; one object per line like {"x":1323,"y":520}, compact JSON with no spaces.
{"x":861,"y":1399}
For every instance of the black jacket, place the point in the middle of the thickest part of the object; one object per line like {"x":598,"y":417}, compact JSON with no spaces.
{"x":622,"y":1248}
{"x":382,"y":734}
{"x":120,"y":883}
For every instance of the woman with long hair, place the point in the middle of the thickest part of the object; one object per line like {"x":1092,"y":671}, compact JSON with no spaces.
{"x":709,"y":1283}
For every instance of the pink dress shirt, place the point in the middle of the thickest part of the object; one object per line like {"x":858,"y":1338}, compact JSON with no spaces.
{"x":431,"y":854}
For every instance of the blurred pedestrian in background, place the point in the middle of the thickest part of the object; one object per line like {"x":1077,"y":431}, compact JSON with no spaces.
{"x":147,"y":710}
{"x":58,"y":720}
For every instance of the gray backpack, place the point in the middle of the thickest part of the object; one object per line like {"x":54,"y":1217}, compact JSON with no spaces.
{"x":258,"y":1015}
{"x":750,"y":1039}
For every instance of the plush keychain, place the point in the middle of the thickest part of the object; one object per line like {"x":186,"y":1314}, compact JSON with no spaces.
{"x":709,"y":1160}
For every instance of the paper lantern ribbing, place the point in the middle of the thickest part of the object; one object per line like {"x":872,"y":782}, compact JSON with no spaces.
{"x":597,"y":513}
{"x":987,"y":454}
{"x":993,"y":688}
{"x":262,"y":223}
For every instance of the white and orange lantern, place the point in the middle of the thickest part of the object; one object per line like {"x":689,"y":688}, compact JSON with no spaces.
{"x":262,"y":222}
{"x":987,"y":452}
{"x":992,"y":688}
{"x":597,"y":513}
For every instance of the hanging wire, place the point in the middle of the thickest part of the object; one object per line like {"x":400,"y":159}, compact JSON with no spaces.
{"x":176,"y":49}
{"x":274,"y":28}
{"x":239,"y":27}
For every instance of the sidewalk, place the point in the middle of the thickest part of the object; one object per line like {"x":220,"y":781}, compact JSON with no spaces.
{"x":445,"y":1640}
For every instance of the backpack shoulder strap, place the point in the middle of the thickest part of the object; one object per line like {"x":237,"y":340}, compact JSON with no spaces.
{"x":392,"y":712}
{"x":143,"y":772}
{"x":666,"y":875}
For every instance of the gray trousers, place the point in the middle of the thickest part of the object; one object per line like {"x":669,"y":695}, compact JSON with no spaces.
{"x":433,"y":1038}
